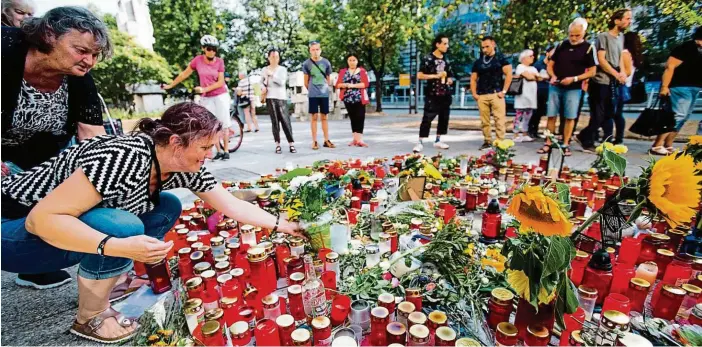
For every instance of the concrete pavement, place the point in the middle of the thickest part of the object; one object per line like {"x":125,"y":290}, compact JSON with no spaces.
{"x":32,"y":317}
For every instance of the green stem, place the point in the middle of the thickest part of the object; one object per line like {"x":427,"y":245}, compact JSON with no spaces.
{"x":587,"y":222}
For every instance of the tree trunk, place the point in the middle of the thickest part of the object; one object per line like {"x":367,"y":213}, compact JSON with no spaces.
{"x":378,"y":94}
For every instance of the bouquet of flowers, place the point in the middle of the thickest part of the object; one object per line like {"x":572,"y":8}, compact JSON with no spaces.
{"x":500,"y":153}
{"x":605,"y":152}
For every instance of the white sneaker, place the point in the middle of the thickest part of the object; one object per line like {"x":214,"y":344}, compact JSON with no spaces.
{"x":527,"y":138}
{"x":517,"y":138}
{"x":418,"y":148}
{"x":441,"y":145}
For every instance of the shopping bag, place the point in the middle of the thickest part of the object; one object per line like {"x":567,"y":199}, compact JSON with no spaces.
{"x":655,"y":120}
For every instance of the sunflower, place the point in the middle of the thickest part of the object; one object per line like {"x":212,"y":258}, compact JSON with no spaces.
{"x":620,"y":149}
{"x":695,"y":140}
{"x":497,"y":261}
{"x":519,"y":281}
{"x":674,"y":188}
{"x":539,"y":212}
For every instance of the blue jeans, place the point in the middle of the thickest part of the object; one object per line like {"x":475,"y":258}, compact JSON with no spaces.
{"x":569,"y":98}
{"x":682,"y":102}
{"x":23,"y":252}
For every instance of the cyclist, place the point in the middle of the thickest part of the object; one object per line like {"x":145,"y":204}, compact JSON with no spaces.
{"x":215,"y":96}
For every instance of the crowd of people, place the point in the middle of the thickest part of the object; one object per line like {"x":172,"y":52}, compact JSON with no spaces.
{"x":72,"y":195}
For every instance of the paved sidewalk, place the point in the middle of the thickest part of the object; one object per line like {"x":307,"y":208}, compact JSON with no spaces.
{"x":32,"y":317}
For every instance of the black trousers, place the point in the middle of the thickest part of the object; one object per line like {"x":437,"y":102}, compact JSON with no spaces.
{"x":278,"y":109}
{"x":601,"y":110}
{"x":436,"y":106}
{"x":357,"y":114}
{"x":541,"y":106}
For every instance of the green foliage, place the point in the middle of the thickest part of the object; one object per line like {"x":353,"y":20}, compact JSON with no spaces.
{"x":178,"y":27}
{"x":120,"y":113}
{"x":615,"y":162}
{"x":130,"y":64}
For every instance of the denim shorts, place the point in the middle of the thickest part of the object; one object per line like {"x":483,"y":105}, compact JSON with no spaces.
{"x":682,"y":102}
{"x":569,"y":98}
{"x":319,"y":105}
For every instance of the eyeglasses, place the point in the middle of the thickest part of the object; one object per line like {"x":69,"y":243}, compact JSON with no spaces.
{"x":211,"y":48}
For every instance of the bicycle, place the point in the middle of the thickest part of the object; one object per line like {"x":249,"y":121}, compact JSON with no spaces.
{"x":236,"y":130}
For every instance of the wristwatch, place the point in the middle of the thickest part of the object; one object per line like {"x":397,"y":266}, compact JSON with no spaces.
{"x":575,"y":79}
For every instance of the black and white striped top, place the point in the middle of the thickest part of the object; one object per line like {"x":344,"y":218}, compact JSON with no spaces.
{"x":118,"y":167}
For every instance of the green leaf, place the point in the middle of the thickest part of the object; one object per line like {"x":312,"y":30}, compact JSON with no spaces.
{"x":615,"y":162}
{"x":563,"y":193}
{"x":294,"y":173}
{"x":567,"y":301}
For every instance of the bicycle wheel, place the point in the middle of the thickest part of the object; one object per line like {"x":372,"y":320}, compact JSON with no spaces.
{"x":236,"y":134}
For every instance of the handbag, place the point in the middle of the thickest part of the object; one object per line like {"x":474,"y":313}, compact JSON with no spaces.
{"x":515,"y":88}
{"x":655,"y":120}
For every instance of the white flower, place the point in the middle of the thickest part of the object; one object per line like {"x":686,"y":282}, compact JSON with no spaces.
{"x":384,"y":265}
{"x":484,"y":280}
{"x":420,"y":172}
{"x":298,"y":182}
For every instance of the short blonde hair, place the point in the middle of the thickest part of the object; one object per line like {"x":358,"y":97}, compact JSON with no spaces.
{"x":525,"y":53}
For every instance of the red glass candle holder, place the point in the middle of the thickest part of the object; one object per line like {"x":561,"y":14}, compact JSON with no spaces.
{"x":230,"y":306}
{"x":240,"y":333}
{"x":396,"y":332}
{"x":321,"y":331}
{"x":341,"y":306}
{"x":573,"y":321}
{"x":297,"y":309}
{"x":621,"y":275}
{"x":500,"y":307}
{"x":506,"y":334}
{"x":650,"y":244}
{"x":266,"y":333}
{"x":577,"y":267}
{"x":212,"y":334}
{"x":617,"y":302}
{"x":159,"y":277}
{"x":638,"y":291}
{"x":537,"y":335}
{"x":380,"y":317}
{"x":286,"y":325}
{"x":329,"y":281}
{"x":629,"y":250}
{"x":139,"y":269}
{"x":444,"y":337}
{"x":527,"y":314}
{"x":669,"y":302}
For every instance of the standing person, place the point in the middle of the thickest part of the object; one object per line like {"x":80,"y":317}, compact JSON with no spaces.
{"x":602,"y":90}
{"x":436,"y":69}
{"x":215,"y":96}
{"x":352,"y":83}
{"x":489,"y":81}
{"x":317,"y":72}
{"x":14,"y":12}
{"x":572,"y":63}
{"x":681,"y":82}
{"x":632,"y":58}
{"x":274,"y":79}
{"x":245,"y":94}
{"x":525,"y":103}
{"x":541,"y":95}
{"x":49,"y":96}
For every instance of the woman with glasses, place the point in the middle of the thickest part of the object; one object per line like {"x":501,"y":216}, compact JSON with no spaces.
{"x":215,"y":97}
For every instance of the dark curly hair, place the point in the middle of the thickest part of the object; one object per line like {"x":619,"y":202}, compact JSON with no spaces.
{"x":632,"y":43}
{"x":189,"y":121}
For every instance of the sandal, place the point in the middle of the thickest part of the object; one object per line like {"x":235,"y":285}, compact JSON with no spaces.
{"x":329,"y":144}
{"x":544,"y":150}
{"x":278,"y":150}
{"x":659,"y":150}
{"x":315,"y":146}
{"x":352,"y":143}
{"x":292,"y":149}
{"x":566,"y":151}
{"x":88,"y":330}
{"x":131,"y":284}
{"x":361,"y":144}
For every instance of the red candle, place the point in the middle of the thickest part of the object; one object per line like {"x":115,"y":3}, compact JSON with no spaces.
{"x":185,"y":265}
{"x":492,"y":221}
{"x":537,"y":335}
{"x":240,"y":333}
{"x":266,"y":333}
{"x":387,"y":300}
{"x":621,"y":275}
{"x":195,"y":287}
{"x":286,"y":325}
{"x":281,"y":253}
{"x":500,"y":307}
{"x":578,"y":266}
{"x":650,"y":244}
{"x":617,"y":302}
{"x":379,"y":321}
{"x":341,"y":306}
{"x":355,"y":202}
{"x":445,"y":337}
{"x":321,"y":331}
{"x":159,"y":277}
{"x":669,"y":302}
{"x":506,"y":334}
{"x":329,"y":280}
{"x":212,"y":334}
{"x":598,"y":274}
{"x":396,"y":333}
{"x":573,"y":322}
{"x":663,"y":258}
{"x":230,"y":306}
{"x":638,"y":291}
{"x":414,"y":296}
{"x":629,"y":250}
{"x":297,"y":309}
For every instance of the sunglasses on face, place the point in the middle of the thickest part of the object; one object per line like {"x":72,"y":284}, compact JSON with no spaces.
{"x":211,"y":49}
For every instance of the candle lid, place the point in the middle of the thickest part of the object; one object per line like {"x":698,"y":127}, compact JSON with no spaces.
{"x":193,"y":282}
{"x":538,"y":330}
{"x":237,"y":272}
{"x":182,"y":231}
{"x":396,"y":328}
{"x":239,"y":328}
{"x":600,"y":260}
{"x":295,"y":288}
{"x":268,"y":246}
{"x":691,"y":288}
{"x":345,"y":341}
{"x":201,"y":267}
{"x":220,"y":258}
{"x":214,"y":314}
{"x":320,"y":322}
{"x":228,"y":301}
{"x":379,"y":312}
{"x":446,"y":333}
{"x":575,"y":337}
{"x":493,"y":206}
{"x":332,"y":257}
{"x":186,"y":218}
{"x":507,"y":329}
{"x":222,"y":224}
{"x":300,"y":335}
{"x":216,"y":241}
{"x":191,"y":239}
{"x":197,"y":255}
{"x":419,"y":331}
{"x":256,"y":254}
{"x":179,"y":226}
{"x":437,"y":317}
{"x":207,"y":274}
{"x":581,"y":254}
{"x":296,"y":242}
{"x":502,"y":295}
{"x":587,"y":292}
{"x":386,"y":298}
{"x":416,"y":221}
{"x":384,"y":236}
{"x":297,"y":276}
{"x":670,"y":290}
{"x":285,"y":320}
{"x":659,"y":237}
{"x":210,"y":328}
{"x":412,"y":292}
{"x":417,"y":318}
{"x":640,"y":283}
{"x":664,"y":252}
{"x":372,"y":249}
{"x":222,"y":265}
{"x":233,"y":245}
{"x":185,"y":250}
{"x":270,"y":300}
{"x":224,"y":278}
{"x":467,"y":342}
{"x":677,"y":232}
{"x":616,"y":317}
{"x":192,"y":304}
{"x":247,"y":228}
{"x":406,"y":307}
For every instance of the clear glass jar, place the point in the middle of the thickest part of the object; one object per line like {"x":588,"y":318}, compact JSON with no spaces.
{"x":587,"y":297}
{"x":194,"y":313}
{"x":271,"y":306}
{"x":217,"y":246}
{"x":248,"y":235}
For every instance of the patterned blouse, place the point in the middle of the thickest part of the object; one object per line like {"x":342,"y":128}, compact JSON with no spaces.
{"x":352,"y":95}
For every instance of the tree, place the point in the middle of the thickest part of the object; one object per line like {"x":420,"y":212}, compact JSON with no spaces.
{"x":373,"y":30}
{"x":179,"y":25}
{"x":130,"y":64}
{"x":264,"y":24}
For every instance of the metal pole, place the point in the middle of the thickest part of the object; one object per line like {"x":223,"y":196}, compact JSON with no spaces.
{"x":416,"y":83}
{"x":409,"y":99}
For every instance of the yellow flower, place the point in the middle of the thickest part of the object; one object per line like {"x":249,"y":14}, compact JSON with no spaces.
{"x":620,"y":149}
{"x":674,"y":188}
{"x":469,"y":250}
{"x":431,"y":171}
{"x":539,"y":212}
{"x":519,"y":281}
{"x":503,"y":144}
{"x":695,"y":140}
{"x":599,"y":149}
{"x":494,"y":258}
{"x":608,"y":145}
